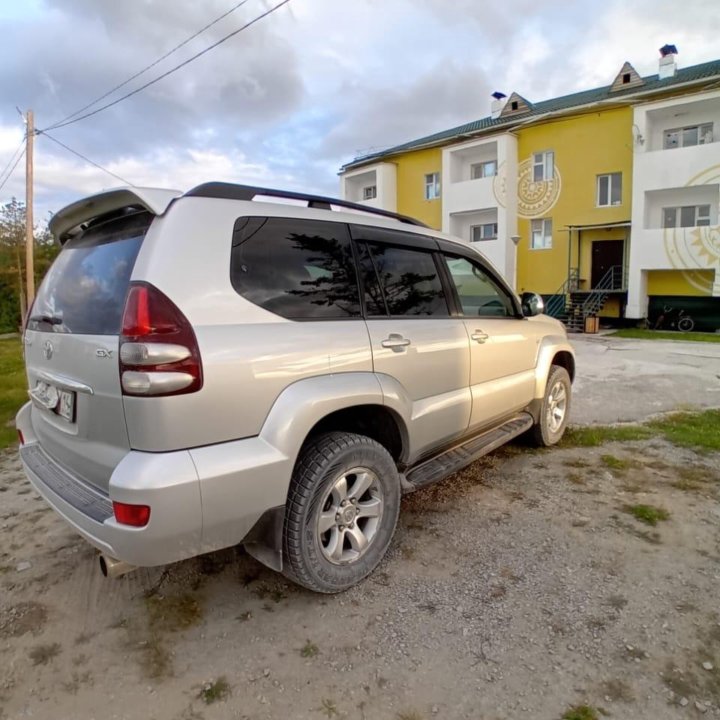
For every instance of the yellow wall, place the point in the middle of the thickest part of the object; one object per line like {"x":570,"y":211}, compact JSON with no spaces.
{"x":411,"y":170}
{"x":585,"y":146}
{"x":676,"y":282}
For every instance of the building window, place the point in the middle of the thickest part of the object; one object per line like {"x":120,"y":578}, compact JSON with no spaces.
{"x":543,"y":166}
{"x":370,"y":192}
{"x":688,"y":136}
{"x":609,"y":189}
{"x":541,"y":234}
{"x":483,"y":170}
{"x":686,"y":216}
{"x":432,"y":186}
{"x":486,"y":231}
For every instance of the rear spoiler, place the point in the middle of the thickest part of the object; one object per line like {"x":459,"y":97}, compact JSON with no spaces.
{"x":68,"y":221}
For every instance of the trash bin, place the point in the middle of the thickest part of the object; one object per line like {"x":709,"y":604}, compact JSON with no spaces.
{"x":592,"y":324}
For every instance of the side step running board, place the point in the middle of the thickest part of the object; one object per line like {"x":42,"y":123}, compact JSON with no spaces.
{"x":460,"y":456}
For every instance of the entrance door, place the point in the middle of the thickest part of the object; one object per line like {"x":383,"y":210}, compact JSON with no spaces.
{"x":606,"y":254}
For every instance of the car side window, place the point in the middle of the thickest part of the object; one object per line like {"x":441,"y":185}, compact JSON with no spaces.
{"x":410,"y":281}
{"x":299,"y":269}
{"x":479,"y":294}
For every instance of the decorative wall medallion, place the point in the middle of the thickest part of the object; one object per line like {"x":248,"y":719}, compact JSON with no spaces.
{"x":695,"y":249}
{"x":536,"y":199}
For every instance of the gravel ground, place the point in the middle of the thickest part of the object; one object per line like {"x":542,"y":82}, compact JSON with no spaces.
{"x":520,"y":587}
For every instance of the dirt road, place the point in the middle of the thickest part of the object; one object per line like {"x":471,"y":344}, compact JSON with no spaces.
{"x":522,"y":587}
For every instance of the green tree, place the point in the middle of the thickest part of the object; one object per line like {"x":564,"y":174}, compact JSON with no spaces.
{"x":12,"y":262}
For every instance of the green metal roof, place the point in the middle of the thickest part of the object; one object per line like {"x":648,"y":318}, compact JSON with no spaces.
{"x":651,"y":83}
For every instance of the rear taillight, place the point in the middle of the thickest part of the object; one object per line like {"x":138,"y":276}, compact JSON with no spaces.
{"x":21,"y":437}
{"x":135,"y":515}
{"x":159,"y":354}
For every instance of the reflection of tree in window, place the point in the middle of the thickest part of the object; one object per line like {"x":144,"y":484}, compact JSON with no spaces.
{"x":330,"y":265}
{"x":292,"y":273}
{"x":410,"y":281}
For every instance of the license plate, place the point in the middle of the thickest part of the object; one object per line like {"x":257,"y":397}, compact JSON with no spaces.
{"x":60,"y":402}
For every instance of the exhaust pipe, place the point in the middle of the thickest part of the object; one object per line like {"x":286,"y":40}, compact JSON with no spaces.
{"x":114,"y":568}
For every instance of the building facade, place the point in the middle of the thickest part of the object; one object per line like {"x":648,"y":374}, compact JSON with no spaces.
{"x":605,"y":201}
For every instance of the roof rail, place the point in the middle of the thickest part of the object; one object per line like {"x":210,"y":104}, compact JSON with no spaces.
{"x":230,"y":191}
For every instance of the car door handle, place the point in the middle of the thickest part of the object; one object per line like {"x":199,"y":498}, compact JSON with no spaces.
{"x":395,"y":342}
{"x":479,"y":336}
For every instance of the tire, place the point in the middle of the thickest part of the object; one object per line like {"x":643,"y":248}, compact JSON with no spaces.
{"x":325,"y":519}
{"x":686,"y":324}
{"x":550,"y":429}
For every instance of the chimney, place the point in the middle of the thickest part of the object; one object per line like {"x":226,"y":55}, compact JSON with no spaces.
{"x":497,"y":105}
{"x":668,"y":66}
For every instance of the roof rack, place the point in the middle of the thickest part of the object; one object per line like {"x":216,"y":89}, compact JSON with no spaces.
{"x":230,"y":191}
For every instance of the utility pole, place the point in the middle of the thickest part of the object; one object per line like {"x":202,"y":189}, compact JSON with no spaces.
{"x":29,"y":234}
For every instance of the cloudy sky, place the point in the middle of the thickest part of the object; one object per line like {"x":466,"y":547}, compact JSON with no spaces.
{"x":288,"y":101}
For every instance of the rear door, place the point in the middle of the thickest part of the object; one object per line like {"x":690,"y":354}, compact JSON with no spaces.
{"x":503,"y":344}
{"x":71,"y":348}
{"x":415,"y":340}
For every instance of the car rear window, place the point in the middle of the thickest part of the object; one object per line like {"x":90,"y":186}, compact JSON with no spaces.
{"x":84,"y":291}
{"x":299,"y":269}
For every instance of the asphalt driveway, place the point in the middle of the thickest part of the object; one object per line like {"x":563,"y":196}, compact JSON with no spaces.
{"x":621,"y":380}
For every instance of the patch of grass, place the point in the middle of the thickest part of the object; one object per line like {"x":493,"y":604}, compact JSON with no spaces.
{"x":581,"y":712}
{"x":638,"y":334}
{"x":84,"y":637}
{"x":309,"y":650}
{"x":43,"y":654}
{"x":13,"y":388}
{"x":76,"y":680}
{"x":576,"y":478}
{"x":172,"y":612}
{"x":328,"y":708}
{"x":215,"y":691}
{"x":618,"y":690}
{"x":699,"y":430}
{"x":409,"y":715}
{"x":616,"y":602}
{"x":596,"y":435}
{"x":616,"y":463}
{"x":649,"y":514}
{"x":155,"y":659}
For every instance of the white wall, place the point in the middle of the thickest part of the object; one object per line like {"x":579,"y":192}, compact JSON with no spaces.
{"x":382,"y":175}
{"x":657,"y":200}
{"x":466,"y":201}
{"x":671,"y":178}
{"x":678,"y":114}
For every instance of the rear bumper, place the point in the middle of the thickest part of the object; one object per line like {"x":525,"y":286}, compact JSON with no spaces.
{"x":201,"y":500}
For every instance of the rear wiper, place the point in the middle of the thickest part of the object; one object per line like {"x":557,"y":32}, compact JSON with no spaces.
{"x":49,"y":319}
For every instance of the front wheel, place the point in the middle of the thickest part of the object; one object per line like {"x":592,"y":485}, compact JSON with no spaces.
{"x":686,"y":324}
{"x":341,"y":512}
{"x":555,"y":408}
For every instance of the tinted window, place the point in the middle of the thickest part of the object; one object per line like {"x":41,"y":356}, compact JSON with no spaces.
{"x":410,"y":281}
{"x":479,"y":294}
{"x":295,"y":268}
{"x":374,"y":300}
{"x":84,"y":290}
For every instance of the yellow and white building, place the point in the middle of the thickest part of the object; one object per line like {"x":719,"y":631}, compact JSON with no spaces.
{"x":605,"y":201}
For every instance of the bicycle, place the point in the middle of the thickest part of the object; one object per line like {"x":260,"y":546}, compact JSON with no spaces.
{"x":680,"y":321}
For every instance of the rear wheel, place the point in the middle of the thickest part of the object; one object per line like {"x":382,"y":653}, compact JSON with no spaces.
{"x":341,"y":512}
{"x":555,"y":408}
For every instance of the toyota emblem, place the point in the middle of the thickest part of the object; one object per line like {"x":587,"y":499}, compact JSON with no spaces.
{"x":48,"y":349}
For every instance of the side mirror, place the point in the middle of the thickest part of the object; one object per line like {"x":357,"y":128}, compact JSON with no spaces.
{"x":532,"y":304}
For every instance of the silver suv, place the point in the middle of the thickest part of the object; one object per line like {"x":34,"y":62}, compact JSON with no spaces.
{"x":243,"y":365}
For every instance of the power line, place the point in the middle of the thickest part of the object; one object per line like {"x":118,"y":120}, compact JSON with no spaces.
{"x":172,"y":70}
{"x":12,"y":157}
{"x":86,"y":159}
{"x":152,"y":65}
{"x":12,"y":169}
